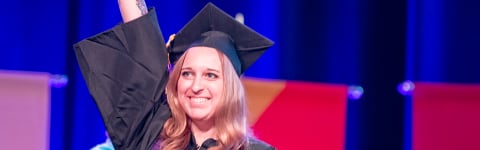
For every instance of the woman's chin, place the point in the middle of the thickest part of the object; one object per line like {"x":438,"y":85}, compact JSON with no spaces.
{"x":199,"y":117}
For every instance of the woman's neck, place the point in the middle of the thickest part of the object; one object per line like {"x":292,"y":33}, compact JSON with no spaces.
{"x":203,"y":130}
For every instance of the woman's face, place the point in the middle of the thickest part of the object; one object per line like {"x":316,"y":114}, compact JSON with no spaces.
{"x":200,"y":85}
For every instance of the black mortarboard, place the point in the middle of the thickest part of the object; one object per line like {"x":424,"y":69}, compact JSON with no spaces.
{"x":212,"y":27}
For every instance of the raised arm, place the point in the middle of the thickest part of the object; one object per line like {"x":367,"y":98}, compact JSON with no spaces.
{"x":132,"y":9}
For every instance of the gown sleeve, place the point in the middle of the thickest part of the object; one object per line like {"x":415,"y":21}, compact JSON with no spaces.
{"x":125,"y":69}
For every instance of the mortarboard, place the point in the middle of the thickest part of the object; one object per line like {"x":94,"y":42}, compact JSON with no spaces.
{"x":212,"y":27}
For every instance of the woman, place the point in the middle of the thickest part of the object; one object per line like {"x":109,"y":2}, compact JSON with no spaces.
{"x":126,"y":72}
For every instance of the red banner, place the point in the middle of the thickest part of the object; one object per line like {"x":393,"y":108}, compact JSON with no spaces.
{"x":298,"y":115}
{"x":446,"y":116}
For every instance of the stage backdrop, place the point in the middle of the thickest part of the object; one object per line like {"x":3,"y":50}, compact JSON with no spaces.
{"x":373,"y":43}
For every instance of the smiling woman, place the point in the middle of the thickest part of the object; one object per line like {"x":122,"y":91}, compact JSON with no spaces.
{"x":205,"y":92}
{"x":200,"y":85}
{"x":201,"y":101}
{"x":200,"y":92}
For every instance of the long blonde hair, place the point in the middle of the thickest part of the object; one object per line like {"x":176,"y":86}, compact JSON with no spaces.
{"x":230,"y":116}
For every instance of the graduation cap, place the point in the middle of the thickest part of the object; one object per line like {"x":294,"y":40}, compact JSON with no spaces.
{"x":212,"y":27}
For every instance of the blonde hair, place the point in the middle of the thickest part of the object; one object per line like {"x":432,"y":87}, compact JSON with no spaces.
{"x":230,"y":116}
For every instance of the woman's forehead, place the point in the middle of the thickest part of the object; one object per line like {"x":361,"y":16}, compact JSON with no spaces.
{"x":202,"y":57}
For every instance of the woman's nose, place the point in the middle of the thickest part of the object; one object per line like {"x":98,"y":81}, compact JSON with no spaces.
{"x":197,"y":85}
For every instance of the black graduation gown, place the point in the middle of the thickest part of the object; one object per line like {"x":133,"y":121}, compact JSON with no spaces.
{"x":125,"y":69}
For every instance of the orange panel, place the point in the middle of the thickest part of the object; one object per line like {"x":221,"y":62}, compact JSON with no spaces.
{"x":260,"y":93}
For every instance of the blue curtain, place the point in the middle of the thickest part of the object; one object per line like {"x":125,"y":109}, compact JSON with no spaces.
{"x":372,"y":43}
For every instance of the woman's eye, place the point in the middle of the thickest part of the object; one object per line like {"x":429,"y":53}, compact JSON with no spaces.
{"x":186,"y":74}
{"x":211,"y":76}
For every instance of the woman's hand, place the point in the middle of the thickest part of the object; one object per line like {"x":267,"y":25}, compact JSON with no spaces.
{"x":132,"y":9}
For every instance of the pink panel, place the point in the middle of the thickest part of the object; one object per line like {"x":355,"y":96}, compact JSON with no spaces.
{"x":24,"y":110}
{"x":446,"y":116}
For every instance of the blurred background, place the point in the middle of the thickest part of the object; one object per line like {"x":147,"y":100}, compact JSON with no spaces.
{"x":373,"y":44}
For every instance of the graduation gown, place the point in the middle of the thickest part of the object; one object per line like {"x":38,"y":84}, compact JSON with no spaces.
{"x":125,"y":69}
